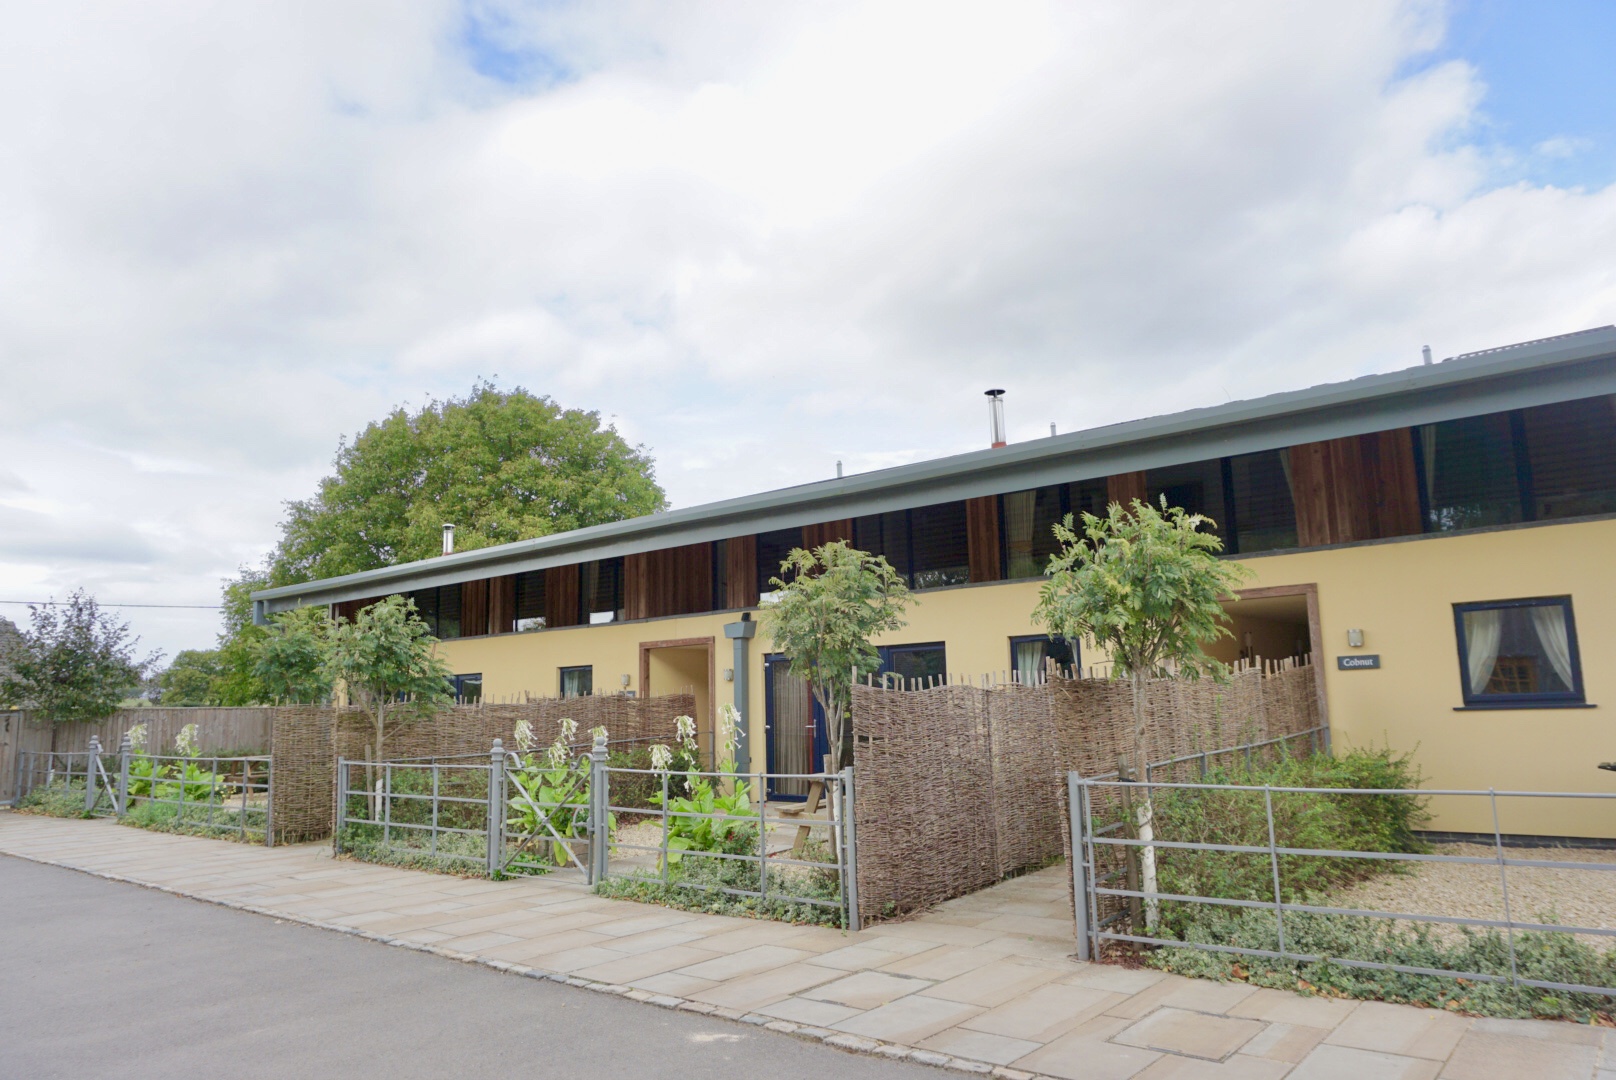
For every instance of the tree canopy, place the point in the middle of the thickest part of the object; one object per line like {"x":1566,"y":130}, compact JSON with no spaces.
{"x":74,"y":662}
{"x":387,"y":664}
{"x":190,"y":678}
{"x":836,"y":599}
{"x":502,"y":465}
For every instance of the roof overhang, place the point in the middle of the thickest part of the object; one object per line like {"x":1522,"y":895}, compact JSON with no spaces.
{"x":1517,"y":376}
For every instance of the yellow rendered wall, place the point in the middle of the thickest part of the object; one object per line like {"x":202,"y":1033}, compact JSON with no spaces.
{"x":1399,"y":593}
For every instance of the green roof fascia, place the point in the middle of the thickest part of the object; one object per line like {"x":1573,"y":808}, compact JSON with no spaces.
{"x":1542,"y":372}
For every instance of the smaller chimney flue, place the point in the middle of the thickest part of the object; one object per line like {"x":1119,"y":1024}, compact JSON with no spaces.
{"x":1425,"y":353}
{"x":996,"y":417}
{"x":448,"y":538}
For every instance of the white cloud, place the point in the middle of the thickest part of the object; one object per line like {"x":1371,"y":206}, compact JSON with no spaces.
{"x":763,"y":238}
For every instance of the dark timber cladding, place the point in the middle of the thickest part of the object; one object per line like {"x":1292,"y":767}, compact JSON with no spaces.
{"x":673,"y":581}
{"x":1359,"y":488}
{"x":982,"y":537}
{"x":561,"y":596}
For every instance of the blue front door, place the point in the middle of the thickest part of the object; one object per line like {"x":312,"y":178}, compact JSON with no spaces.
{"x":795,"y":724}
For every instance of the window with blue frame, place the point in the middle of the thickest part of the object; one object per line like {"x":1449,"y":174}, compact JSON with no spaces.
{"x":577,"y":681}
{"x":772,"y":549}
{"x":1030,"y":657}
{"x":909,"y":667}
{"x":467,"y":689}
{"x":1517,"y":654}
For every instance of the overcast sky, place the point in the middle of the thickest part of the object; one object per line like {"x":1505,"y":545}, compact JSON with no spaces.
{"x":759,"y":237}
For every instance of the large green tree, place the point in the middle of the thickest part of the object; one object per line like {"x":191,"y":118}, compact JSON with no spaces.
{"x":502,"y":465}
{"x":1147,"y":586}
{"x":292,"y":657}
{"x":74,"y":662}
{"x":190,"y":678}
{"x":830,"y":602}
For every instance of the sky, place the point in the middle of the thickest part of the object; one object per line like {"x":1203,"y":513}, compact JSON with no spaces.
{"x":757,"y":238}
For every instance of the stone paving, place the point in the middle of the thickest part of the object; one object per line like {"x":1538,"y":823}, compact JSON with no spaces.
{"x":981,"y":984}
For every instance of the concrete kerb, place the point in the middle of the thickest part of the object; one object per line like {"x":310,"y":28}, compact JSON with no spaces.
{"x":854,"y":1044}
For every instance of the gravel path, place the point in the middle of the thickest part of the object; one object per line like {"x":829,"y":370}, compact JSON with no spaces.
{"x":1568,"y":897}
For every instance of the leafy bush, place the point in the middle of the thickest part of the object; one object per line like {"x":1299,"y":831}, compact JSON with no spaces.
{"x":63,"y":799}
{"x":695,"y":884}
{"x":1549,"y":957}
{"x":1301,"y":820}
{"x":457,"y":853}
{"x":199,"y":820}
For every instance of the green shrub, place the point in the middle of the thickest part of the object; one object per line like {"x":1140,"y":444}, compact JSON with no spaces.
{"x":461,"y":854}
{"x":199,"y":819}
{"x":63,"y":799}
{"x":1549,"y":957}
{"x":694,"y":884}
{"x":1301,"y":820}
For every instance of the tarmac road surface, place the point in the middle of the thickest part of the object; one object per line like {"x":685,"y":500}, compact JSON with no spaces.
{"x":100,"y":979}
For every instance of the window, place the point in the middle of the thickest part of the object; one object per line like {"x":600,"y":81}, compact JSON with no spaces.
{"x":1027,"y":522}
{"x":926,"y":545}
{"x":1264,"y":516}
{"x":439,"y":609}
{"x":577,"y":681}
{"x":600,"y":591}
{"x":1518,"y":653}
{"x":1030,"y":656}
{"x":467,"y":689}
{"x":772,"y":549}
{"x":530,"y":601}
{"x":1571,"y":458}
{"x":1470,"y":472}
{"x":907,"y":666}
{"x":1200,"y":487}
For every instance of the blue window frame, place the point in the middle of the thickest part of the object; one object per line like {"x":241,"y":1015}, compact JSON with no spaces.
{"x":909,"y":667}
{"x":1029,"y":656}
{"x":577,"y":681}
{"x":1516,"y":654}
{"x":467,"y":689}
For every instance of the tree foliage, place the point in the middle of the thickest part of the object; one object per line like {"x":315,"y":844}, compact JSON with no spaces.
{"x":190,"y":678}
{"x":502,"y":465}
{"x":1147,"y":586}
{"x":385,"y":660}
{"x":75,"y":662}
{"x":292,"y":657}
{"x":830,"y":602}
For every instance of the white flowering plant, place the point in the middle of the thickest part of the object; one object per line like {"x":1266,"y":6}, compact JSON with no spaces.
{"x":709,"y":817}
{"x":553,"y":788}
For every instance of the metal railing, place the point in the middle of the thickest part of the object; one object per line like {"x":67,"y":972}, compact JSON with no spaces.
{"x":497,"y":815}
{"x":1094,"y":880}
{"x":208,"y":794}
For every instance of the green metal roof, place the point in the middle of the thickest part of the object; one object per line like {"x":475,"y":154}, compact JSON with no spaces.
{"x":1541,"y":372}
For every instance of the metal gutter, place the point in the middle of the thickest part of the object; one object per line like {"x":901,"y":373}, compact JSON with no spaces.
{"x":1541,"y":372}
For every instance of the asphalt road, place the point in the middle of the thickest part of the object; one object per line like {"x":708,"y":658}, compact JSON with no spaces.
{"x":101,"y":979}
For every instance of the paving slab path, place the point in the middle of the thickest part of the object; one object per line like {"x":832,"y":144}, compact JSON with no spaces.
{"x":982,"y":984}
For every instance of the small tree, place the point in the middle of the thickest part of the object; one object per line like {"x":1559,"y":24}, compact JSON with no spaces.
{"x":385,"y":661}
{"x":292,"y":661}
{"x":823,"y":618}
{"x":74,"y":663}
{"x":1147,"y":586}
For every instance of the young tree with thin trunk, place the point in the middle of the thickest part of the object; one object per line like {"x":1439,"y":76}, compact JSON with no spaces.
{"x":1147,"y":586}
{"x":830,"y":602}
{"x":386,"y":662}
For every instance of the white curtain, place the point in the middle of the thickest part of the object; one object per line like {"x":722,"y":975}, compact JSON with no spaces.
{"x":1482,"y":632}
{"x":1428,"y":451}
{"x":1285,"y":463}
{"x":1551,"y":631}
{"x":1029,"y":658}
{"x":1018,"y":515}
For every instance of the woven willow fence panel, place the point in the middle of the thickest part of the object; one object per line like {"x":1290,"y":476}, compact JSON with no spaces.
{"x":309,"y":739}
{"x":961,"y":786}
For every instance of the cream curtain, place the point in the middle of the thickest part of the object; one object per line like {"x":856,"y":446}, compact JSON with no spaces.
{"x":1029,"y":658}
{"x":1483,"y":629}
{"x":1018,"y":517}
{"x":1549,"y":621}
{"x":1285,"y":463}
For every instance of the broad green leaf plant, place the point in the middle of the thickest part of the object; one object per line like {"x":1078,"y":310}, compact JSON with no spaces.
{"x":1145,"y":585}
{"x":551,"y":787}
{"x":728,"y":797}
{"x":830,"y":603}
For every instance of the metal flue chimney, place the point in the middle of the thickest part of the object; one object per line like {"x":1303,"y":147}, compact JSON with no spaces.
{"x":996,"y":416}
{"x":1425,"y":353}
{"x":448,"y":538}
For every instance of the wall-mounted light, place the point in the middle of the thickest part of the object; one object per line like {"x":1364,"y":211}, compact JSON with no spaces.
{"x":625,"y":680}
{"x":1355,"y":639}
{"x":729,"y":674}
